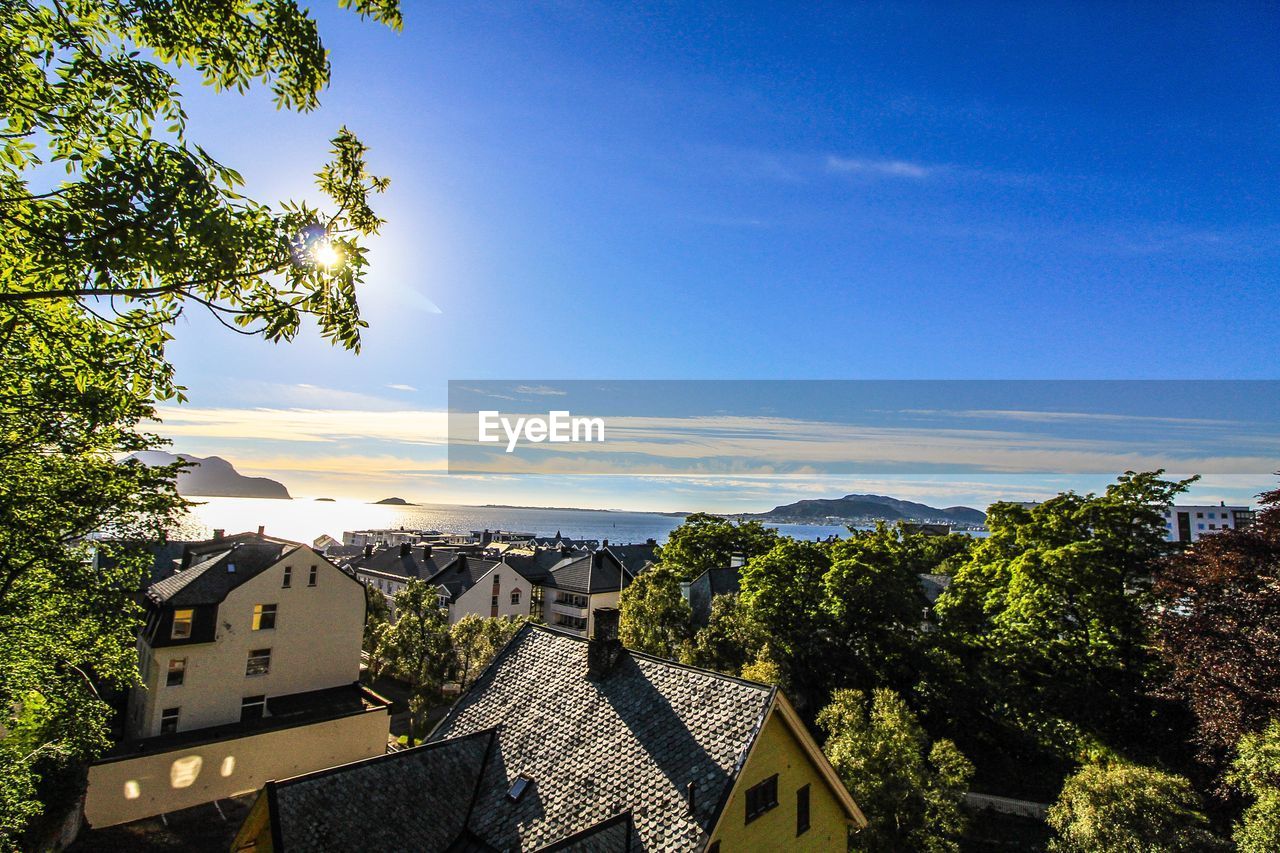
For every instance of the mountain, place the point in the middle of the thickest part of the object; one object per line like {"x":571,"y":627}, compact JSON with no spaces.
{"x":214,"y":477}
{"x":871,"y":507}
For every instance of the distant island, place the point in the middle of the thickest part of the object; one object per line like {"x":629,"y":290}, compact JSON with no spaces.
{"x":213,"y":477}
{"x":868,"y":508}
{"x":328,"y":500}
{"x":394,"y":502}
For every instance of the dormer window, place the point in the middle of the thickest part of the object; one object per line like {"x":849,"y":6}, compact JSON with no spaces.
{"x":182,"y":620}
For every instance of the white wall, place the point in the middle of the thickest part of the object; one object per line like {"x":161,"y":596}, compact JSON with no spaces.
{"x":315,"y":645}
{"x":479,"y":599}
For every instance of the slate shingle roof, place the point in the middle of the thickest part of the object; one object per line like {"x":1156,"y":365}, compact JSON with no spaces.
{"x":462,"y":574}
{"x":594,"y":749}
{"x":610,"y":762}
{"x":207,"y":578}
{"x":413,"y":800}
{"x":592,"y":572}
{"x":635,"y":557}
{"x":394,"y":561}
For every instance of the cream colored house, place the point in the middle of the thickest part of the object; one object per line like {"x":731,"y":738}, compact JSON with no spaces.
{"x":570,"y":585}
{"x":249,"y":670}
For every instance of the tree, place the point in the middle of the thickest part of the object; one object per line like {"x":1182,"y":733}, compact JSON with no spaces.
{"x":705,"y":541}
{"x":655,"y":619}
{"x":1120,"y":808}
{"x":1050,"y":605}
{"x":95,"y":268}
{"x":377,"y":619}
{"x":909,"y":790}
{"x":731,"y":639}
{"x":1256,"y":772}
{"x":1219,"y":605}
{"x":873,"y":595}
{"x":476,"y":640}
{"x":783,"y":592}
{"x":418,"y":648}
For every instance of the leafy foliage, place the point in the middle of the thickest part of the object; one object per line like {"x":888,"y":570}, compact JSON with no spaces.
{"x":476,"y":640}
{"x":1219,"y":608}
{"x":1120,"y":808}
{"x":909,"y":790}
{"x":655,"y":617}
{"x":1256,"y":772}
{"x":112,"y":223}
{"x":1051,"y":606}
{"x":729,"y":640}
{"x":417,"y":647}
{"x":706,"y":541}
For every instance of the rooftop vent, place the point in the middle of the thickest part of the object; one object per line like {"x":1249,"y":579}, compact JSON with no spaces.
{"x":518,"y":788}
{"x":231,"y":568}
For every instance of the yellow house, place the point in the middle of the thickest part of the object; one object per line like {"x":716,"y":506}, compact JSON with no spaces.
{"x":573,"y":744}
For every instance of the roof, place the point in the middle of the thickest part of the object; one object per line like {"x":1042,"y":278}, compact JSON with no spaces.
{"x":405,"y":562}
{"x":208,"y":575}
{"x":597,"y":748}
{"x":722,"y":581}
{"x":636,"y":557}
{"x":417,"y":799}
{"x":462,"y":574}
{"x":609,"y":762}
{"x":588,"y":573}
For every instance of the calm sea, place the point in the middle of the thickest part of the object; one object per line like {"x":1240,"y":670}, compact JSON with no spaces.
{"x":304,"y":520}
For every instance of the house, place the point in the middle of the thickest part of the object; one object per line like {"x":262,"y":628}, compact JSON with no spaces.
{"x":635,"y":557}
{"x":705,"y":587}
{"x":249,"y":662}
{"x":573,"y":744}
{"x":571,"y":584}
{"x":388,"y":569}
{"x":1189,"y":523}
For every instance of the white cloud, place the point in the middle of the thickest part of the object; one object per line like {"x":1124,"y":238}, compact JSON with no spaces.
{"x":396,"y":386}
{"x":540,"y":390}
{"x":885,"y":168}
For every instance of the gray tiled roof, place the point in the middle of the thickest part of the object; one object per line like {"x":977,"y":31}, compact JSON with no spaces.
{"x":209,"y":578}
{"x":392,"y":561}
{"x":636,"y":557}
{"x":594,"y":749}
{"x":593,"y":572}
{"x":415,"y":800}
{"x":462,"y":574}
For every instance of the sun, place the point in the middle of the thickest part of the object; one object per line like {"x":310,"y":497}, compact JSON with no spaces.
{"x":325,"y":254}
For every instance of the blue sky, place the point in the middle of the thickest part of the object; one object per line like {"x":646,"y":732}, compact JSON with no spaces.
{"x":763,"y":191}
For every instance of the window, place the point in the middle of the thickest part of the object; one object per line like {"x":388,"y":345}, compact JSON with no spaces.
{"x":311,"y":576}
{"x":169,"y":721}
{"x":264,"y":617}
{"x":762,"y":797}
{"x":259,"y":662}
{"x":182,"y":624}
{"x":802,"y":810}
{"x":177,"y":672}
{"x":252,"y":708}
{"x":288,"y":577}
{"x":1199,"y":515}
{"x":494,"y":602}
{"x":515,"y":596}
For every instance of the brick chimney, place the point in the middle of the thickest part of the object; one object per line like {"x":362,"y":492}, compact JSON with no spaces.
{"x":426,"y":552}
{"x":262,"y":529}
{"x":405,"y":549}
{"x":368,"y":550}
{"x":604,"y":648}
{"x":218,"y":533}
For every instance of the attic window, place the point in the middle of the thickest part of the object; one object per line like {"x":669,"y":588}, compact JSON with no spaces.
{"x":518,"y":788}
{"x":231,"y":568}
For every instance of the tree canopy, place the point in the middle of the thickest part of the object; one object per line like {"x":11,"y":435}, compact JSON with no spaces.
{"x":1256,"y":773}
{"x":909,"y":789}
{"x":113,"y":222}
{"x":1121,"y":808}
{"x":655,"y":616}
{"x":706,"y":541}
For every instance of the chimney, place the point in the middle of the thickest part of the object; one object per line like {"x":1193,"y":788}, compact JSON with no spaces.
{"x":604,"y":543}
{"x":737,"y":561}
{"x":218,"y":533}
{"x":405,"y":549}
{"x":426,"y":552}
{"x":368,"y":550}
{"x":604,"y":648}
{"x":485,"y":537}
{"x":262,"y":528}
